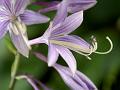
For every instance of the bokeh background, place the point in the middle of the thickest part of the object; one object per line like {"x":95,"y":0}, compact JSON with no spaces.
{"x":104,"y":70}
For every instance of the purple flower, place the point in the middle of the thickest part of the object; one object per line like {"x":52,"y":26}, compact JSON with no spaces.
{"x":33,"y":82}
{"x":77,"y":82}
{"x":13,"y":17}
{"x":59,"y":41}
{"x":59,"y":31}
{"x":73,"y":5}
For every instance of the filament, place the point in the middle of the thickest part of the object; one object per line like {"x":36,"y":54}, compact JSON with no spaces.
{"x":111,"y":47}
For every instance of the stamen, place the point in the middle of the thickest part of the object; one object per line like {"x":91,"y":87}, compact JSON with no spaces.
{"x":86,"y":55}
{"x":21,"y":27}
{"x":94,"y":44}
{"x":14,"y":29}
{"x":111,"y":47}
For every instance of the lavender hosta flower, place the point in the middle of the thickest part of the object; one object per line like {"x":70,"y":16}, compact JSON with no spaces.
{"x":77,"y":82}
{"x":33,"y":82}
{"x":59,"y":41}
{"x":73,"y":5}
{"x":13,"y":17}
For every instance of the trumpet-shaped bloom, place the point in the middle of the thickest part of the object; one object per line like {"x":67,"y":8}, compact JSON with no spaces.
{"x":60,"y":42}
{"x":73,"y":5}
{"x":33,"y":82}
{"x":13,"y":17}
{"x":77,"y":82}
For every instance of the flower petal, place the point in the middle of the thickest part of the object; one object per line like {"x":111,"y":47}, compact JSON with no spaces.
{"x":46,"y":4}
{"x":7,"y":5}
{"x":61,"y":13}
{"x":48,"y":9}
{"x":73,"y":5}
{"x":68,"y":57}
{"x":3,"y":28}
{"x":40,"y":56}
{"x":50,"y":6}
{"x":71,"y":23}
{"x":29,"y":17}
{"x":20,"y":6}
{"x":33,"y":82}
{"x":79,"y":5}
{"x":73,"y":42}
{"x":76,"y":82}
{"x":68,"y":80}
{"x":21,"y":43}
{"x":52,"y":55}
{"x":1,"y":2}
{"x":86,"y":80}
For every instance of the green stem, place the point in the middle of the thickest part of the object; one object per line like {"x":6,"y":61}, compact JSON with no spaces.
{"x":14,"y":71}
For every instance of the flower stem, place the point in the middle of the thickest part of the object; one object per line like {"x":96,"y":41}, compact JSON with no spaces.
{"x":14,"y":71}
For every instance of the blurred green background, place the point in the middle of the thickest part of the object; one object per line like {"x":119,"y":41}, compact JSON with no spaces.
{"x":104,"y":70}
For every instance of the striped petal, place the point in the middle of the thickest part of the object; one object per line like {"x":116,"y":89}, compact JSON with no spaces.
{"x":46,"y":4}
{"x":77,"y":82}
{"x":3,"y":28}
{"x":79,"y":5}
{"x":29,"y":17}
{"x":73,"y":5}
{"x":68,"y":57}
{"x":86,"y":80}
{"x":21,"y":43}
{"x":74,"y":43}
{"x":7,"y":4}
{"x":33,"y":82}
{"x":52,"y":55}
{"x":50,"y":6}
{"x":61,"y":13}
{"x":71,"y":23}
{"x":40,"y":56}
{"x":20,"y":6}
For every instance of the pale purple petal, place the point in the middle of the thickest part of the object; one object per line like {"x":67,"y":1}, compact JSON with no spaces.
{"x":68,"y":79}
{"x":52,"y":55}
{"x":45,"y":10}
{"x":20,"y":6}
{"x":46,"y":4}
{"x":61,"y":13}
{"x":30,"y":80}
{"x":71,"y":23}
{"x":79,"y":5}
{"x":50,"y":6}
{"x":29,"y":17}
{"x":40,"y":56}
{"x":44,"y":86}
{"x":3,"y":28}
{"x":68,"y":57}
{"x":32,"y":83}
{"x":72,"y":42}
{"x":73,"y":5}
{"x":86,"y":80}
{"x":76,"y":82}
{"x":37,"y":41}
{"x":7,"y":4}
{"x":21,"y":43}
{"x":1,"y":2}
